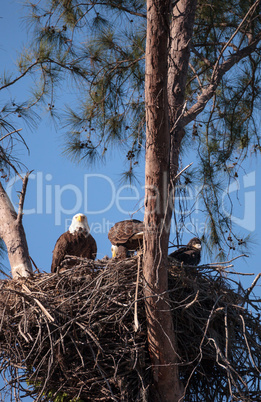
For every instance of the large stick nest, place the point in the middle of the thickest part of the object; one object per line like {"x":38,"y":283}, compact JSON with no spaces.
{"x":72,"y":334}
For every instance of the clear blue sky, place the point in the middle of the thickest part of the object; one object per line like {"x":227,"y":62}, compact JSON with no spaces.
{"x":58,"y":188}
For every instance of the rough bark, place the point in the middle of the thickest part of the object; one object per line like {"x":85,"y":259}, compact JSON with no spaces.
{"x":181,"y":31}
{"x":161,"y":337}
{"x":12,"y":233}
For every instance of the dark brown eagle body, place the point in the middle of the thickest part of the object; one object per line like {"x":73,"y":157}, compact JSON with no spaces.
{"x":78,"y":242}
{"x":127,"y":236}
{"x":190,"y":254}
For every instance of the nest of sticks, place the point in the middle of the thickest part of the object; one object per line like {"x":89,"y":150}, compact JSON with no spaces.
{"x":72,"y":334}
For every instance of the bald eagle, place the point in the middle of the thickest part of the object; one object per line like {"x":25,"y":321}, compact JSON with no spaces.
{"x":190,"y":254}
{"x":76,"y":241}
{"x":126,"y":237}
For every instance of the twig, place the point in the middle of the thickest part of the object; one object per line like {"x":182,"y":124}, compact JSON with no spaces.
{"x":7,"y":161}
{"x":227,"y":262}
{"x":20,"y":76}
{"x":193,"y":301}
{"x":12,"y":132}
{"x":22,"y":197}
{"x":34,"y":264}
{"x":249,"y":290}
{"x":177,"y":245}
{"x":102,"y":373}
{"x":247,"y":345}
{"x":179,"y":118}
{"x":233,"y":35}
{"x":136,"y":321}
{"x":240,"y":273}
{"x":183,"y":170}
{"x":48,"y":315}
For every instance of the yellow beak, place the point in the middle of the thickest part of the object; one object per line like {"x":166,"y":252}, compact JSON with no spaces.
{"x":80,"y":218}
{"x":113,"y":251}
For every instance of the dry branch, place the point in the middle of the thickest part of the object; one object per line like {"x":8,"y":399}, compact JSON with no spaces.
{"x":13,"y":235}
{"x":22,"y":197}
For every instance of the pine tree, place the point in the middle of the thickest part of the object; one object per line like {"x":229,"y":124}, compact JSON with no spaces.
{"x":213,"y":85}
{"x":12,"y":234}
{"x":200,"y":74}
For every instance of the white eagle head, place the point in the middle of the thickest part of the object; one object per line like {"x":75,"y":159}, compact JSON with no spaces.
{"x":79,"y":222}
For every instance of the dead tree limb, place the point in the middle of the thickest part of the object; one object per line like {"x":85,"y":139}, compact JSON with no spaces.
{"x":13,"y":235}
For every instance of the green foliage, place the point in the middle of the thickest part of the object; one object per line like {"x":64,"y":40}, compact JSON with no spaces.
{"x":226,"y":132}
{"x":61,"y":397}
{"x":100,"y":48}
{"x":52,"y":395}
{"x":102,"y":45}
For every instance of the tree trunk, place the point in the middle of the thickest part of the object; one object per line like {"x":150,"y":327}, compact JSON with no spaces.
{"x":12,"y":233}
{"x":181,"y":31}
{"x":161,"y":337}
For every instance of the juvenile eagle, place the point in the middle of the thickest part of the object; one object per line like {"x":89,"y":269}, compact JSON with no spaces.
{"x":190,"y":254}
{"x":76,"y":241}
{"x":126,"y":237}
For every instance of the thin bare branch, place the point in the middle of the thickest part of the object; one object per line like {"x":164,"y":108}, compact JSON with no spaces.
{"x":182,"y":171}
{"x":20,"y":76}
{"x":250,"y":289}
{"x":22,"y":197}
{"x":252,"y":8}
{"x":46,"y":313}
{"x":8,"y":134}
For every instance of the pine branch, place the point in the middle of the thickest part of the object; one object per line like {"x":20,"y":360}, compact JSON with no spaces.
{"x":20,"y":76}
{"x":13,"y":132}
{"x":137,"y":14}
{"x":207,"y":93}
